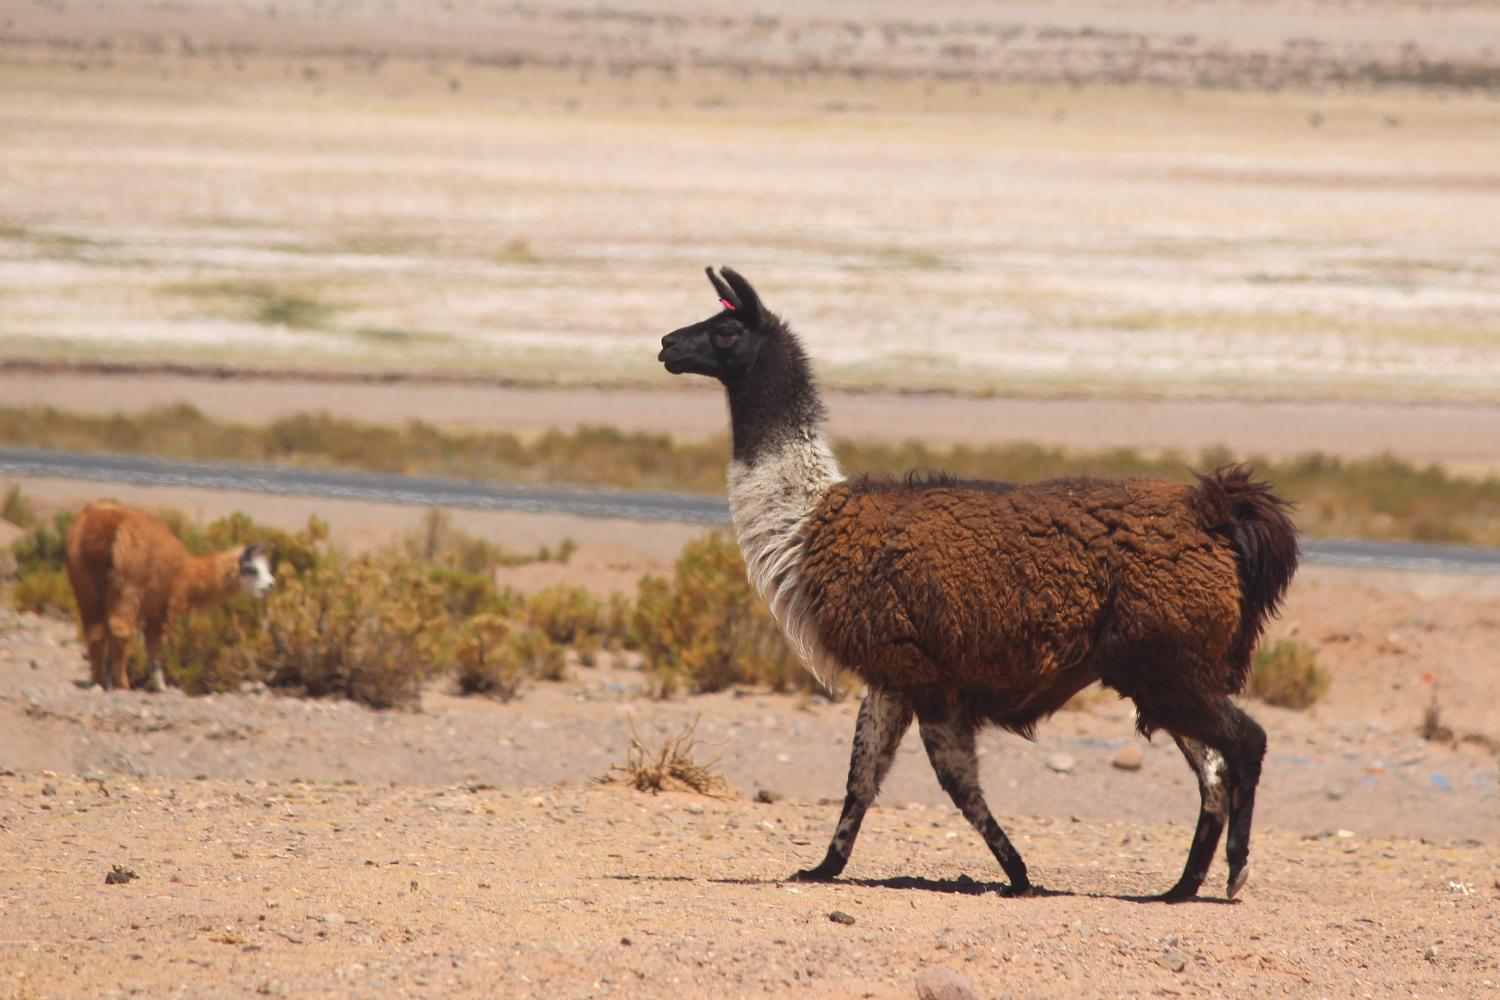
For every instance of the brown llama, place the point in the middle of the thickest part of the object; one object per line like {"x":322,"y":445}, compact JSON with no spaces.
{"x":129,"y":571}
{"x":966,"y":604}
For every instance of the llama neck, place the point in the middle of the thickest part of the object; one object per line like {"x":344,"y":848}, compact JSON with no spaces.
{"x":210,"y":579}
{"x":776,"y":402}
{"x":781,"y":469}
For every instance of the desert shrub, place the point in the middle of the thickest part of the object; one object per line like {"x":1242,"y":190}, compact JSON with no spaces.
{"x":16,"y":509}
{"x":1287,"y":674}
{"x":538,"y":655}
{"x":669,"y":767}
{"x":45,"y":591}
{"x":371,"y":633}
{"x":467,"y":594}
{"x":565,"y":614}
{"x":706,"y":629}
{"x":484,"y":657}
{"x":43,"y":547}
{"x":212,"y":650}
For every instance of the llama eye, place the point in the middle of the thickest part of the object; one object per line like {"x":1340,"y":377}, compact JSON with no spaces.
{"x":725,"y":339}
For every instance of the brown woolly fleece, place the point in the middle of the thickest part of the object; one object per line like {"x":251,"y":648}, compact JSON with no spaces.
{"x":129,"y":571}
{"x":1007,"y":600}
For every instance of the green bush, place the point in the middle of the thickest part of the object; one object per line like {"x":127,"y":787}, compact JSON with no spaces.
{"x":1287,"y":675}
{"x":45,"y":591}
{"x":706,"y":629}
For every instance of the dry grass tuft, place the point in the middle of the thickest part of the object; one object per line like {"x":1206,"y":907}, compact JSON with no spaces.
{"x":669,"y":768}
{"x":1287,"y":675}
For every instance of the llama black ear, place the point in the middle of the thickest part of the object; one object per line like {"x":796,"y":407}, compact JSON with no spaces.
{"x":725,"y":293}
{"x":746,"y":300}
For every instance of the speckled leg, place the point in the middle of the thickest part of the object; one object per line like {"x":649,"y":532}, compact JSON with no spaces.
{"x":883,"y":720}
{"x":1213,"y":791}
{"x":950,"y":746}
{"x":1226,"y":751}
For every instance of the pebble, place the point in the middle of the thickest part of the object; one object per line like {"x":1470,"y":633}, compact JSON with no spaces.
{"x":1172,"y":961}
{"x":767,"y":796}
{"x":840,"y":917}
{"x":942,"y":983}
{"x":1129,"y":757}
{"x":1062,"y":763}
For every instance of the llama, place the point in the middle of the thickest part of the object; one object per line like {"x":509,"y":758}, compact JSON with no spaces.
{"x":964,"y":604}
{"x":129,"y":571}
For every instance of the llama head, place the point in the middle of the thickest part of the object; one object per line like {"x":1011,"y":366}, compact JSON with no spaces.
{"x":255,"y":570}
{"x":725,"y":345}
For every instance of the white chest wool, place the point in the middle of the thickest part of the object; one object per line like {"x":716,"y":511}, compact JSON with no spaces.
{"x":769,"y":502}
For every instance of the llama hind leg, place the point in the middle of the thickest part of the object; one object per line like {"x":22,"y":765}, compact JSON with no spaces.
{"x":950,"y":747}
{"x":153,"y":634}
{"x":1226,"y":749}
{"x":1244,"y":760}
{"x":1213,"y":792}
{"x":883,"y":720}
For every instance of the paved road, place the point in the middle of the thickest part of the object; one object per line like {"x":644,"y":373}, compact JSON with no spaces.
{"x":679,"y":508}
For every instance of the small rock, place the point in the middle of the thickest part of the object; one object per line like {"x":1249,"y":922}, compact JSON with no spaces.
{"x":119,"y":876}
{"x":840,"y":917}
{"x":942,"y":983}
{"x":334,"y":918}
{"x":625,"y":942}
{"x":1062,"y":763}
{"x":1172,"y":961}
{"x":1129,"y":757}
{"x":1431,"y":954}
{"x":49,"y":789}
{"x":767,"y":796}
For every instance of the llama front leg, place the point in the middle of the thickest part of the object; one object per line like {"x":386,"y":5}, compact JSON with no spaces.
{"x":949,"y":740}
{"x":883,"y":720}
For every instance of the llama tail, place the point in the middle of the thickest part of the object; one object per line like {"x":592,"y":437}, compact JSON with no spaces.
{"x":1255,"y":521}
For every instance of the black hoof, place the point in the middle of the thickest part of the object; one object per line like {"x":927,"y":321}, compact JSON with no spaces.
{"x":1179,"y":893}
{"x":822,"y":873}
{"x":1019,"y":890}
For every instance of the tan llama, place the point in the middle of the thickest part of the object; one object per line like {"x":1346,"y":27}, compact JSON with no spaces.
{"x":129,"y":571}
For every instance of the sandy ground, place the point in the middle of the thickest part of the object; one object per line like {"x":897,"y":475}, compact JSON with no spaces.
{"x":295,"y":847}
{"x":1244,"y":200}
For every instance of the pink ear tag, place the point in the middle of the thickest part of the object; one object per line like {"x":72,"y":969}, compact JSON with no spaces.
{"x":726,"y":304}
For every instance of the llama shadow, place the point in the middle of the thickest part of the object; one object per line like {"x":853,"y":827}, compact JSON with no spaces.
{"x":961,"y":886}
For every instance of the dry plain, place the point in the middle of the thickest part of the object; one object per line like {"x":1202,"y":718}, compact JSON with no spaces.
{"x":1158,"y":225}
